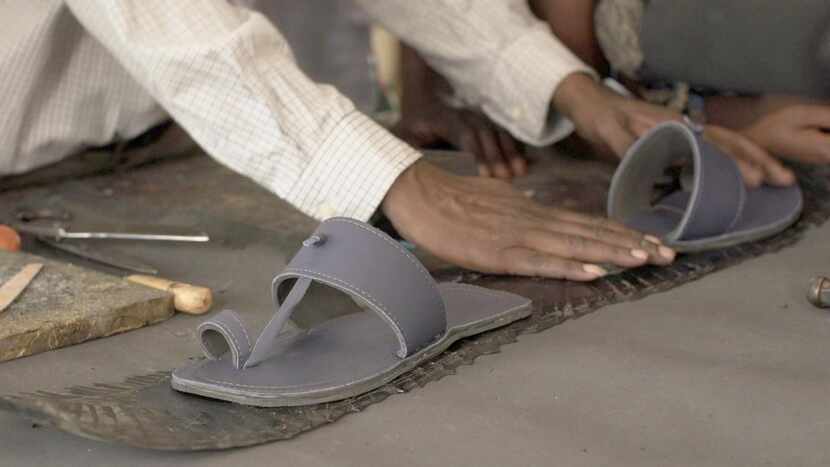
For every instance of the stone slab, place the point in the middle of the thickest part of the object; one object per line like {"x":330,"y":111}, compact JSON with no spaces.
{"x":66,"y":305}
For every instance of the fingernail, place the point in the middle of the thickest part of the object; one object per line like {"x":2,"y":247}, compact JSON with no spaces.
{"x":639,"y":254}
{"x":653,"y":239}
{"x":666,"y":252}
{"x":594,"y":270}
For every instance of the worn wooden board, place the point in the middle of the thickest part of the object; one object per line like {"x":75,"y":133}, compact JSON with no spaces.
{"x":67,"y":304}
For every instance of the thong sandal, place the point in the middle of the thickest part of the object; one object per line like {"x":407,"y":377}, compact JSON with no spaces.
{"x":408,"y":319}
{"x":710,"y":206}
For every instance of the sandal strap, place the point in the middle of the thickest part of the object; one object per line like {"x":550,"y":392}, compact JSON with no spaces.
{"x":718,"y":196}
{"x":223,"y":333}
{"x":372,"y":268}
{"x":718,"y":192}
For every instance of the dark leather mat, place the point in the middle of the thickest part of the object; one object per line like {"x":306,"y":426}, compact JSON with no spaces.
{"x":144,"y":412}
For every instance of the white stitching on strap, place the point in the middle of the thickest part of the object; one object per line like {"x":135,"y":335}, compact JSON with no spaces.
{"x":228,"y":334}
{"x":211,"y":352}
{"x":381,"y":308}
{"x":235,"y":347}
{"x":370,"y":298}
{"x":430,"y":281}
{"x":297,"y":387}
{"x":242,"y":327}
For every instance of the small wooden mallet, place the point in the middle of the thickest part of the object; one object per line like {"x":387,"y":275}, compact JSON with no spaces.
{"x":187,"y":298}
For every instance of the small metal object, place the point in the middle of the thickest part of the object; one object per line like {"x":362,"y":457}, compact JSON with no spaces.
{"x":110,"y":259}
{"x":113,"y":232}
{"x":314,"y":240}
{"x":819,"y":292}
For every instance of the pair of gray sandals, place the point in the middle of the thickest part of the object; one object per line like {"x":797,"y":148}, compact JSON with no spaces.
{"x":409,"y":319}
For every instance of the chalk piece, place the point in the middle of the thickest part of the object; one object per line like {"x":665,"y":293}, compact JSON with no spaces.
{"x":15,"y":286}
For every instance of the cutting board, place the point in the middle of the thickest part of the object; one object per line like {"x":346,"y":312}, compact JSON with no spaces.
{"x":66,"y":305}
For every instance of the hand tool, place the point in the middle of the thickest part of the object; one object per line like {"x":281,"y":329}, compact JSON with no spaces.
{"x":109,"y":258}
{"x":17,"y":284}
{"x":53,"y":234}
{"x":113,"y":232}
{"x":187,"y":298}
{"x":9,"y":239}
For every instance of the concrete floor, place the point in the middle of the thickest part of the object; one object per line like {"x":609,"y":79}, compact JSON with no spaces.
{"x":730,"y":370}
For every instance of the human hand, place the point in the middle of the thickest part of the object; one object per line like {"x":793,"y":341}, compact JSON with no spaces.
{"x":431,"y":122}
{"x":611,"y":123}
{"x":797,"y":130}
{"x":757,"y":164}
{"x":486,"y":225}
{"x":426,"y":120}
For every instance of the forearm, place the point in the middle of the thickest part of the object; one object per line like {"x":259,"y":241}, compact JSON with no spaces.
{"x":496,"y":55}
{"x":732,"y":111}
{"x":420,"y":82}
{"x":740,"y":112}
{"x":229,"y":78}
{"x":572,"y":22}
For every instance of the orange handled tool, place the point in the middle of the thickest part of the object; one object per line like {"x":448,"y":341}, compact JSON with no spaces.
{"x":9,"y":239}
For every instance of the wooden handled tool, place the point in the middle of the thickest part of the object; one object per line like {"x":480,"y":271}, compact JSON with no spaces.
{"x":9,"y":239}
{"x":187,"y":298}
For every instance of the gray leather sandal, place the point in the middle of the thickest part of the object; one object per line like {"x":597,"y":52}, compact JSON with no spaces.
{"x":413,"y":319}
{"x":710,"y":206}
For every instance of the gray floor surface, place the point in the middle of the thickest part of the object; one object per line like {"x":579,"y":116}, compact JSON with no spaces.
{"x":730,"y":370}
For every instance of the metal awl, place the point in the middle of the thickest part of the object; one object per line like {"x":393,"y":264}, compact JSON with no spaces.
{"x":59,"y":232}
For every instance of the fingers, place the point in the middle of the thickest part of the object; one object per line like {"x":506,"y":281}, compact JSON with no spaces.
{"x":656,"y":252}
{"x":604,"y":230}
{"x":811,"y":115}
{"x":413,"y":134}
{"x":753,"y":175}
{"x":513,"y":155}
{"x":469,"y":142}
{"x":529,"y":262}
{"x":492,"y":154}
{"x":617,"y":137}
{"x":812,"y":146}
{"x":583,"y":249}
{"x":753,"y":158}
{"x":567,"y":216}
{"x":495,"y":150}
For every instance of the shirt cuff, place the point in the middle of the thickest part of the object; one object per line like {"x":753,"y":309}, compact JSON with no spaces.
{"x":352,"y":170}
{"x":526,"y":75}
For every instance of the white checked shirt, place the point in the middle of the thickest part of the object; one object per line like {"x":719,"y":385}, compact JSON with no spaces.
{"x":75,"y":73}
